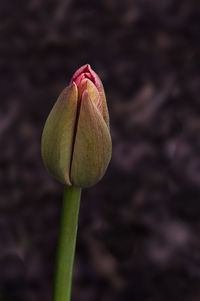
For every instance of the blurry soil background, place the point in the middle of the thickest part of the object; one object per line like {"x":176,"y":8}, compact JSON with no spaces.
{"x":139,"y":228}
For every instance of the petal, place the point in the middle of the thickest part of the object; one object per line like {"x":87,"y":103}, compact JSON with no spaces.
{"x":58,"y":135}
{"x":104,"y":104}
{"x":93,"y":146}
{"x":100,"y":88}
{"x":98,"y":84}
{"x":87,"y":84}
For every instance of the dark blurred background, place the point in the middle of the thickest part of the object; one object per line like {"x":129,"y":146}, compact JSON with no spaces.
{"x":139,"y":228}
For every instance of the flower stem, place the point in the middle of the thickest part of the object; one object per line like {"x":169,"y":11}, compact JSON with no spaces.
{"x":66,"y":244}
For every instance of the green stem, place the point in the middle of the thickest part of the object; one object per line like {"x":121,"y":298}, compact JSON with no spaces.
{"x":66,"y":244}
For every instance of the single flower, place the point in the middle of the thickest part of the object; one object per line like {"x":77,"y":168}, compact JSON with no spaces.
{"x":76,"y":141}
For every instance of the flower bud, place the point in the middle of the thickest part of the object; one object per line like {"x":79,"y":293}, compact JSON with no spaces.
{"x":76,"y":141}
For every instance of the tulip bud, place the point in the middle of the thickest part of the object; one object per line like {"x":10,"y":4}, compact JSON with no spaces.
{"x":76,"y":142}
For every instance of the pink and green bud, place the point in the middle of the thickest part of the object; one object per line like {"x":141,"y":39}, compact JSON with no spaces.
{"x":76,"y":141}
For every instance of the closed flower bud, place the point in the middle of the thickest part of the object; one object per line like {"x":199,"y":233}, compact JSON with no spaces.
{"x":76,"y":142}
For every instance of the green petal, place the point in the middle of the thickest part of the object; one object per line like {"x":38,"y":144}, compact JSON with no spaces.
{"x":104,"y":103}
{"x":93,"y":146}
{"x":58,"y":135}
